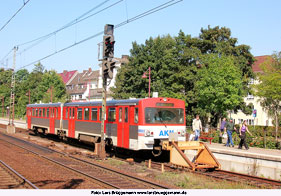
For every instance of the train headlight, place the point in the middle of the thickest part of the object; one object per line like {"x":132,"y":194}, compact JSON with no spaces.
{"x":147,"y":133}
{"x":181,"y":132}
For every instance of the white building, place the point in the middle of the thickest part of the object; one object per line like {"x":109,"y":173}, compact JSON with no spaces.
{"x":262,"y":117}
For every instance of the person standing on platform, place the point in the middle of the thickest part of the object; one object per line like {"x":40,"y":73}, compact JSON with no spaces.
{"x":223,"y":123}
{"x":196,"y":127}
{"x":229,"y":128}
{"x":242,"y":135}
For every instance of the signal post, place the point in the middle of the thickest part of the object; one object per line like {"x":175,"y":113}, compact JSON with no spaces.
{"x":107,"y":73}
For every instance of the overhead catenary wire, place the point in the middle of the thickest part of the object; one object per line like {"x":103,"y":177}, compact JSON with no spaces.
{"x":24,"y":4}
{"x":84,"y":16}
{"x":139,"y":16}
{"x":71,"y":23}
{"x":75,"y":21}
{"x":2,"y":60}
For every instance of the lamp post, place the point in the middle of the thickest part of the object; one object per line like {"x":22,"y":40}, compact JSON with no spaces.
{"x":3,"y":106}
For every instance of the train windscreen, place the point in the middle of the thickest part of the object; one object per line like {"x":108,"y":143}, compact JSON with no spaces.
{"x":164,"y":115}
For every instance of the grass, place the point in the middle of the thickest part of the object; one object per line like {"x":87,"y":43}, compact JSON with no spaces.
{"x":115,"y":162}
{"x":192,"y":181}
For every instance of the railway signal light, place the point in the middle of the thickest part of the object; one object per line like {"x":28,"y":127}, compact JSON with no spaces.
{"x":111,"y":68}
{"x":108,"y":46}
{"x":105,"y":68}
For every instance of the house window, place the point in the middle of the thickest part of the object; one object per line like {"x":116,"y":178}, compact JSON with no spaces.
{"x":250,"y":122}
{"x":251,"y":81}
{"x":250,"y":96}
{"x":80,"y":96}
{"x":240,"y":121}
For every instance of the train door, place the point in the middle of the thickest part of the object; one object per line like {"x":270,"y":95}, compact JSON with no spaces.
{"x":123,"y":127}
{"x":52,"y":120}
{"x":71,"y":122}
{"x":29,"y":114}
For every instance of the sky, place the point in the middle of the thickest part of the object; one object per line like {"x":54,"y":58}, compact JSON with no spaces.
{"x":254,"y":22}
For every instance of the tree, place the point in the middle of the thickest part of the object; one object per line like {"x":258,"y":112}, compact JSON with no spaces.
{"x":219,"y":86}
{"x":51,"y":81}
{"x":174,"y":63}
{"x":269,"y":87}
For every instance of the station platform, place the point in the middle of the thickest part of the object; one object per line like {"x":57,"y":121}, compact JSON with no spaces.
{"x":255,"y":161}
{"x":257,"y":153}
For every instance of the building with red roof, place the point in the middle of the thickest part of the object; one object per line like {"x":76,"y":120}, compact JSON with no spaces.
{"x":67,"y":76}
{"x":261,"y":116}
{"x":259,"y":60}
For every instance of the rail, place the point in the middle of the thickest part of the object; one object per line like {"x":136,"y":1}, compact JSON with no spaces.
{"x":22,"y":180}
{"x":146,"y":183}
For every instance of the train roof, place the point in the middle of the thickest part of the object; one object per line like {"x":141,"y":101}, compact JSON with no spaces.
{"x":44,"y":105}
{"x":92,"y":103}
{"x":108,"y":103}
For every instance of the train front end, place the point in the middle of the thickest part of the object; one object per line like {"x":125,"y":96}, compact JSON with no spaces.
{"x":161,"y":118}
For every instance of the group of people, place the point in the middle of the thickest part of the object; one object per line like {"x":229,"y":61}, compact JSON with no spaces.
{"x":227,"y":127}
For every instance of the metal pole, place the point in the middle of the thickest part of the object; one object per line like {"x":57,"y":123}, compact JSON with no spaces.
{"x":2,"y":106}
{"x":89,"y":90}
{"x":149,"y":81}
{"x":12,"y":98}
{"x":51,"y":94}
{"x":102,"y":146}
{"x":29,"y":96}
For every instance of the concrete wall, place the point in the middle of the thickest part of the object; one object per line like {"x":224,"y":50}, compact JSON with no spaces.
{"x":247,"y":165}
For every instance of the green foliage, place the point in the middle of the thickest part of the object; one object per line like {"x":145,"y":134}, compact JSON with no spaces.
{"x":175,"y":63}
{"x":219,"y":86}
{"x":262,"y":136}
{"x":269,"y":87}
{"x":38,"y":82}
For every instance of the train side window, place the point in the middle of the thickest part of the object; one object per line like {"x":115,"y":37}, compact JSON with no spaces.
{"x":126,"y":114}
{"x":111,"y":115}
{"x":66,"y":113}
{"x":94,"y":114}
{"x":73,"y":112}
{"x":48,"y":112}
{"x":120,"y":114}
{"x":86,"y":114}
{"x":136,"y":115}
{"x":44,"y":112}
{"x":40,"y":112}
{"x":33,"y":112}
{"x":57,"y":112}
{"x":69,"y":112}
{"x":100,"y":113}
{"x":79,"y":113}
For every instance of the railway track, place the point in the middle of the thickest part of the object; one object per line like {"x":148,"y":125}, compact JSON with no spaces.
{"x":222,"y":175}
{"x":105,"y":176}
{"x":10,"y":179}
{"x":243,"y":178}
{"x":226,"y":175}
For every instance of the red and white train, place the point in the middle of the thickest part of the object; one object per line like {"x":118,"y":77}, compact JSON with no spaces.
{"x":136,"y":124}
